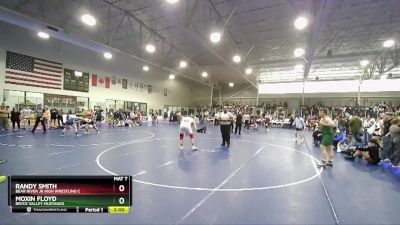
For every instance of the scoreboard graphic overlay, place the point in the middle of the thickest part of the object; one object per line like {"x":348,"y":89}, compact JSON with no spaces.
{"x":70,"y":194}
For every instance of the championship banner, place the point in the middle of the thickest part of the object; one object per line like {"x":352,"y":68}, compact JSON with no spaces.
{"x":124,"y":84}
{"x":52,"y":100}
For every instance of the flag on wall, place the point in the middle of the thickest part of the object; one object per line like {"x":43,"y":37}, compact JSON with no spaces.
{"x":124,"y":84}
{"x":137,"y":85}
{"x":100,"y":81}
{"x":150,"y":89}
{"x":141,"y":86}
{"x":131,"y":84}
{"x":34,"y":72}
{"x":115,"y":82}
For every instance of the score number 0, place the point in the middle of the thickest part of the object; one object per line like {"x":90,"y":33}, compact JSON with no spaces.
{"x":121,"y":200}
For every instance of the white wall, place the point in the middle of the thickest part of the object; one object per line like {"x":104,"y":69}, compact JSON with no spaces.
{"x":22,"y":41}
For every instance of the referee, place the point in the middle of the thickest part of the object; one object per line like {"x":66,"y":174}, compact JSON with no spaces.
{"x":225,"y":119}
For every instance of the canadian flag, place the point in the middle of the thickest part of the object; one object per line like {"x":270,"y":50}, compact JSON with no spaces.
{"x":99,"y":81}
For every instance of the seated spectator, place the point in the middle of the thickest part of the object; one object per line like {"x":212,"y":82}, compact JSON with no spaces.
{"x":338,"y":137}
{"x":370,"y":153}
{"x":347,"y":145}
{"x":317,"y":136}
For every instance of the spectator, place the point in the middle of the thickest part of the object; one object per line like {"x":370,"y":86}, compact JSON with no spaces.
{"x":26,"y":113}
{"x":369,"y":128}
{"x":338,"y":137}
{"x":387,"y":150}
{"x":165,"y":116}
{"x":239,"y":122}
{"x":3,"y":117}
{"x":394,"y":131}
{"x":317,"y":135}
{"x":300,"y":126}
{"x":15,"y":118}
{"x":246,"y":118}
{"x":370,"y":154}
{"x":347,"y":145}
{"x":355,"y":125}
{"x":342,"y":124}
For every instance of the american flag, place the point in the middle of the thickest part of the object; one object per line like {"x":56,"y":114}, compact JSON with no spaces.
{"x":30,"y":71}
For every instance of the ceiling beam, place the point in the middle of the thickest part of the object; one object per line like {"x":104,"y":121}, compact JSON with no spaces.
{"x":335,"y":58}
{"x":143,"y":25}
{"x":197,"y":36}
{"x":116,"y":30}
{"x":190,"y":13}
{"x":19,"y":19}
{"x":320,"y":12}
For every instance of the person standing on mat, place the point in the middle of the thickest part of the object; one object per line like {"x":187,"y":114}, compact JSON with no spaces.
{"x":187,"y":126}
{"x":246,"y":119}
{"x":328,"y":135}
{"x":239,"y":122}
{"x":90,"y":121}
{"x":15,"y":118}
{"x":300,"y":125}
{"x":71,"y":122}
{"x":225,"y":119}
{"x":60,"y":120}
{"x":26,"y":116}
{"x":39,"y":119}
{"x":53,"y":117}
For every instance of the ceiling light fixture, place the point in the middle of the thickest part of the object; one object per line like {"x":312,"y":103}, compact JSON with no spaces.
{"x":231,"y":84}
{"x":364,"y":63}
{"x":300,"y":23}
{"x":183,"y":64}
{"x":88,"y":20}
{"x":237,"y":58}
{"x":172,"y":1}
{"x":388,"y":43}
{"x":248,"y":71}
{"x":215,"y":37}
{"x":43,"y":35}
{"x":204,"y":74}
{"x":150,"y":48}
{"x":299,"y":52}
{"x":146,"y":68}
{"x":107,"y":55}
{"x":171,"y":77}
